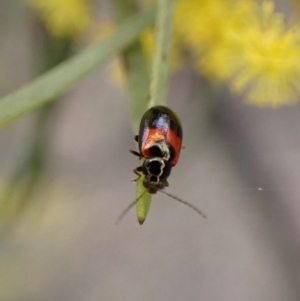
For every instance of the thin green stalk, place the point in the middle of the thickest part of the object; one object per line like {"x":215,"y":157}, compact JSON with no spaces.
{"x":137,"y":81}
{"x":135,"y":66}
{"x":162,"y":54}
{"x":58,"y":80}
{"x":158,"y":84}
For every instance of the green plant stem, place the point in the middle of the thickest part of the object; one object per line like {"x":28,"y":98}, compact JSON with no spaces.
{"x":158,"y":84}
{"x":58,"y":80}
{"x":162,"y":54}
{"x":135,"y":65}
{"x":137,"y":81}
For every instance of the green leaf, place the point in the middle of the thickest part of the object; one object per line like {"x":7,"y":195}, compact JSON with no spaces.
{"x":138,"y":81}
{"x":158,"y":84}
{"x":162,"y":54}
{"x":53,"y":83}
{"x":143,"y":204}
{"x":136,"y":66}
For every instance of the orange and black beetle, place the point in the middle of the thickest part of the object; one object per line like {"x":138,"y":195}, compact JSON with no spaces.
{"x":159,"y":140}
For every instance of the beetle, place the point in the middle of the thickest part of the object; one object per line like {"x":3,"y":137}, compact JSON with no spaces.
{"x":159,"y":141}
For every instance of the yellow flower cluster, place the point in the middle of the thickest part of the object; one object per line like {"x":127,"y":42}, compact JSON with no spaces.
{"x":244,"y":43}
{"x":63,"y":18}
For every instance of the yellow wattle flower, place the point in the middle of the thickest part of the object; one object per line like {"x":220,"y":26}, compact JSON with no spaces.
{"x":244,"y":43}
{"x":199,"y":23}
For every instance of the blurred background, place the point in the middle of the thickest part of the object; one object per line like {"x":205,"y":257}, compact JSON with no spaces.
{"x":66,"y":176}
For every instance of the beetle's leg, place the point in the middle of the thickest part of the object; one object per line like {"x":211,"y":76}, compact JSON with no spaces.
{"x":136,"y":138}
{"x":166,"y":183}
{"x":135,"y":153}
{"x":138,"y":171}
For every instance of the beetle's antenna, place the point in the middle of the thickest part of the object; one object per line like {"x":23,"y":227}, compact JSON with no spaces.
{"x":183,"y":202}
{"x":125,"y":211}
